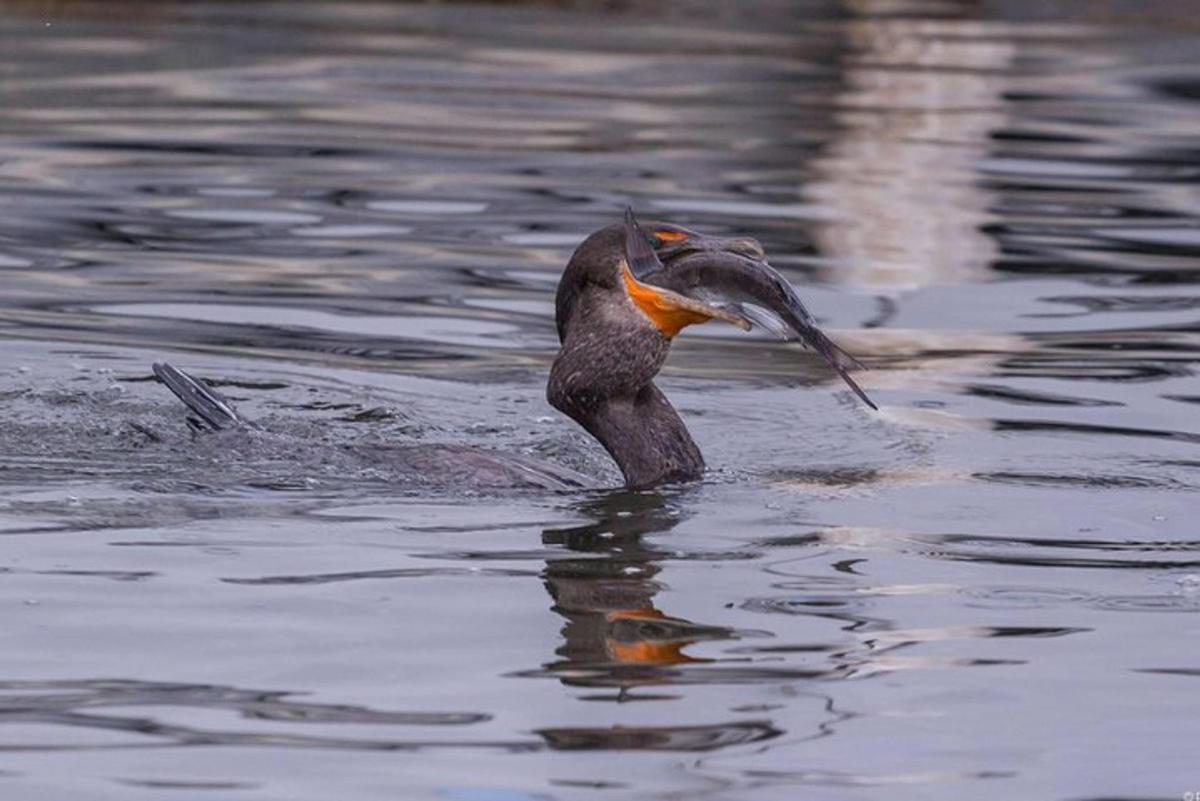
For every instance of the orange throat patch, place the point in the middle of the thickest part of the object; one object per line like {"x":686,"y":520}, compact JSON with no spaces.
{"x":669,"y":312}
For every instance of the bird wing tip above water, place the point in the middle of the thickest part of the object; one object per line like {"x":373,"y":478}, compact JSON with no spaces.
{"x":205,"y":402}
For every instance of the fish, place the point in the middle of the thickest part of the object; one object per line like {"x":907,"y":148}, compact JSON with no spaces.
{"x":756,"y":292}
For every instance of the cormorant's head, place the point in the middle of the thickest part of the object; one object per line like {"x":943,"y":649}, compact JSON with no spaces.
{"x":617,"y":258}
{"x":651,"y":281}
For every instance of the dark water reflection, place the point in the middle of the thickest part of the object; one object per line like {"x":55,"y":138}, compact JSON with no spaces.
{"x":351,"y":217}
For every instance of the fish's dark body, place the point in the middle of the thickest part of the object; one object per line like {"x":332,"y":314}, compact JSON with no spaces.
{"x":709,"y":275}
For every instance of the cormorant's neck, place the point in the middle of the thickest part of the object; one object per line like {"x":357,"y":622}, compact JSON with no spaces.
{"x":603,"y":375}
{"x":644,"y":435}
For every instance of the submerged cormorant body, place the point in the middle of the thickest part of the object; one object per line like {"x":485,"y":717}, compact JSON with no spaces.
{"x":626,"y":292}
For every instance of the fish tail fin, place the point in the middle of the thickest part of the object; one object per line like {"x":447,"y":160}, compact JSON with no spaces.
{"x":841,"y":361}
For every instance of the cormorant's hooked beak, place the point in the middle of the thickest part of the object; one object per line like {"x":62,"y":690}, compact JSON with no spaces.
{"x":724,"y":279}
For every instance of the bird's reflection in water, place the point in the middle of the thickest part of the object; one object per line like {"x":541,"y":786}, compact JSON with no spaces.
{"x":616,"y":637}
{"x":617,"y":641}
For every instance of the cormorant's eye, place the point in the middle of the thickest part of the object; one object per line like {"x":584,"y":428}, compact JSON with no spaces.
{"x":655,"y":242}
{"x":662,"y":238}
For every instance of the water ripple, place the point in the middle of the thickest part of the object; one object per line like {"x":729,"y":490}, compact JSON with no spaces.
{"x":352,"y":218}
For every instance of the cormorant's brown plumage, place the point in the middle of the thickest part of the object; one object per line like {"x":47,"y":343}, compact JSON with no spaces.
{"x":624,"y":294}
{"x":603,"y":376}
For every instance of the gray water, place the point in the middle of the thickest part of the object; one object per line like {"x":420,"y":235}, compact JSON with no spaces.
{"x":351,"y":218}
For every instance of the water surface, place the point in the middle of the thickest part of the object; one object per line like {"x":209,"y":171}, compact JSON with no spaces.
{"x":351,"y":217}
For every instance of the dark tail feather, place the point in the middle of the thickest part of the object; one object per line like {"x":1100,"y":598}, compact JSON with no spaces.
{"x":205,"y":402}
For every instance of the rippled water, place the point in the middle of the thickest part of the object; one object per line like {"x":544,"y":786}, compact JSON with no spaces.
{"x":352,"y":217}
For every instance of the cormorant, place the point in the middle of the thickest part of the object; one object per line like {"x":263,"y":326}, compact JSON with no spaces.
{"x":626,"y":292}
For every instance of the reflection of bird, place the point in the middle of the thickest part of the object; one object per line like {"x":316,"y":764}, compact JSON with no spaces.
{"x":615,"y":636}
{"x":624,"y":295}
